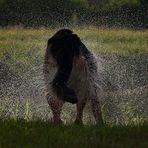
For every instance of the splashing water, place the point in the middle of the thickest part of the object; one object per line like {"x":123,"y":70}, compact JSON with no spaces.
{"x":124,"y":99}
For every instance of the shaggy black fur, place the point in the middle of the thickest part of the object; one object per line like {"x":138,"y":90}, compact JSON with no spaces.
{"x":63,"y":47}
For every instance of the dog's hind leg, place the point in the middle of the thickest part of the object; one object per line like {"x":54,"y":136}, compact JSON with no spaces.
{"x":80,"y":107}
{"x":96,"y":110}
{"x":56,"y":107}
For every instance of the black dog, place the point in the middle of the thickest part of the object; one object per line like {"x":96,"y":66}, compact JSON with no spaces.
{"x":70,"y":71}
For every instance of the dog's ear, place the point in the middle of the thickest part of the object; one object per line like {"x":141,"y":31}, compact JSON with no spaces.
{"x":63,"y":46}
{"x":47,"y":53}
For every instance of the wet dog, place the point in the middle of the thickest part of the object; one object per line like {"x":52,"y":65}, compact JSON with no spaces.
{"x":70,"y":73}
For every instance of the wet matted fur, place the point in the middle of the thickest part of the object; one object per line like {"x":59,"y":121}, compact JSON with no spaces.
{"x":70,"y":72}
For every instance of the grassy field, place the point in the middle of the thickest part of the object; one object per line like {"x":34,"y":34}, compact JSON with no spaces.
{"x":16,"y":134}
{"x":126,"y":113}
{"x":121,"y":42}
{"x":21,"y":47}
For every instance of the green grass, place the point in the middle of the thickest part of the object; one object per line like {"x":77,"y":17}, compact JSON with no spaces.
{"x":121,"y":42}
{"x":20,"y":133}
{"x":20,"y":46}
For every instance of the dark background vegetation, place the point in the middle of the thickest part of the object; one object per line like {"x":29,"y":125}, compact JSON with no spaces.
{"x":57,"y":13}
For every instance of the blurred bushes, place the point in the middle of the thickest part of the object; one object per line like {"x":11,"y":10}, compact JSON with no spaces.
{"x":55,"y":13}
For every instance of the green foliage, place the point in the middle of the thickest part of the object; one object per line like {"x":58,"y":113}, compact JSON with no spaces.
{"x":60,"y":12}
{"x":116,"y":4}
{"x":79,"y":3}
